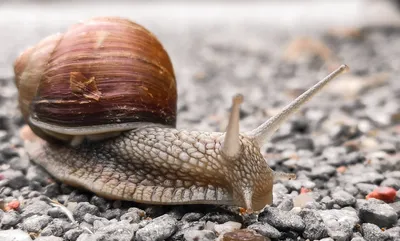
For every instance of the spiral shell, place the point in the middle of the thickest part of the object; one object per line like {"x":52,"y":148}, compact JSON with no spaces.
{"x":105,"y":71}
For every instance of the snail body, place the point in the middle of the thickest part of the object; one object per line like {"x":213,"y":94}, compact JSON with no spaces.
{"x":102,"y":99}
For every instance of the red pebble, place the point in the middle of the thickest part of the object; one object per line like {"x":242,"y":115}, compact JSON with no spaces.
{"x":304,"y":190}
{"x":13,"y":205}
{"x":386,"y":194}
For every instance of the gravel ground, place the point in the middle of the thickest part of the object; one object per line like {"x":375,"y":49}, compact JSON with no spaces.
{"x":342,"y":145}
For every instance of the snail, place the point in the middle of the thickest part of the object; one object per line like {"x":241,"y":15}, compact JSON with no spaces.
{"x":101,"y":99}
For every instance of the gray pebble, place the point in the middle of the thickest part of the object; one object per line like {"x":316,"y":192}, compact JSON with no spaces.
{"x":112,"y":213}
{"x":73,"y":234}
{"x":396,"y":207}
{"x":340,"y":223}
{"x":133,"y":215}
{"x":83,"y":208}
{"x":315,"y":227}
{"x":193,"y":216}
{"x":51,"y":190}
{"x":76,"y":196}
{"x":380,"y":214}
{"x":303,"y":143}
{"x":369,"y":177}
{"x":90,"y":218}
{"x":35,"y":223}
{"x":16,"y":179}
{"x":265,"y":229}
{"x":220,"y":217}
{"x":57,"y":227}
{"x":323,"y":172}
{"x":391,"y":182}
{"x":328,"y":202}
{"x":56,"y":212}
{"x":366,"y":188}
{"x":394,"y":232}
{"x":14,"y":235}
{"x":118,"y":231}
{"x":393,"y":174}
{"x":286,"y":204}
{"x":371,"y":232}
{"x":197,"y":235}
{"x":48,"y":238}
{"x":100,"y":202}
{"x":36,"y":207}
{"x":158,"y":229}
{"x":10,"y":219}
{"x":282,"y":220}
{"x":38,"y":174}
{"x":343,"y":198}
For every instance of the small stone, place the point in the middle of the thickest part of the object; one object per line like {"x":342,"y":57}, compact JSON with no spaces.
{"x":133,"y":215}
{"x":83,"y":208}
{"x":36,"y":207}
{"x":322,"y":172}
{"x":396,"y":207}
{"x":227,"y":227}
{"x":57,"y":227}
{"x":315,"y":227}
{"x":380,"y":214}
{"x":56,"y":212}
{"x":16,"y":179}
{"x":73,"y":234}
{"x":286,"y":204}
{"x":197,"y":235}
{"x":391,"y":182}
{"x":368,"y":177}
{"x":35,"y":223}
{"x":366,"y":188}
{"x":10,"y":219}
{"x":282,"y":220}
{"x":38,"y":174}
{"x":190,"y":217}
{"x":90,"y":218}
{"x":265,"y":230}
{"x":51,"y":190}
{"x":218,"y":217}
{"x":394,"y":232}
{"x":14,"y":235}
{"x":343,"y":198}
{"x":302,"y":200}
{"x":184,"y":227}
{"x":123,"y":230}
{"x":78,"y":197}
{"x":371,"y":232}
{"x":303,"y":143}
{"x":112,"y":213}
{"x":158,"y":229}
{"x":339,"y":223}
{"x":100,"y":202}
{"x":48,"y":238}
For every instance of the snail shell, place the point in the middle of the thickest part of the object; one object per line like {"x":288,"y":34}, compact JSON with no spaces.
{"x":102,"y":75}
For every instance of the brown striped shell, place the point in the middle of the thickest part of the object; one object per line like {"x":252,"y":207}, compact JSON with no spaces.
{"x":102,"y":72}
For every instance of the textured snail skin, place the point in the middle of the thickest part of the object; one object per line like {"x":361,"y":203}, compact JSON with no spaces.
{"x":160,"y":165}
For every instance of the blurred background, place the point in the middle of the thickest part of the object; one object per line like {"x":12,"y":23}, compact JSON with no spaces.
{"x":225,"y":47}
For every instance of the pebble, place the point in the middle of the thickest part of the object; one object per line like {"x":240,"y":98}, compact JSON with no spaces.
{"x":49,"y":238}
{"x":159,"y":228}
{"x":14,"y":235}
{"x":265,"y":229}
{"x":381,"y":214}
{"x":343,"y":198}
{"x":38,"y":174}
{"x":394,"y":232}
{"x":16,"y":179}
{"x":56,"y":212}
{"x":365,"y":188}
{"x":219,"y":217}
{"x":227,"y":227}
{"x":83,"y":208}
{"x":10,"y":219}
{"x":51,"y":190}
{"x":197,"y":235}
{"x":133,"y":215}
{"x":371,"y":232}
{"x":100,"y":202}
{"x":112,"y":213}
{"x":185,"y":227}
{"x":37,"y":207}
{"x":322,"y":172}
{"x":391,"y":182}
{"x":315,"y":227}
{"x":57,"y":227}
{"x":369,"y":177}
{"x":193,"y":216}
{"x":73,"y":234}
{"x":286,"y":204}
{"x":35,"y":223}
{"x":282,"y":220}
{"x":339,"y":223}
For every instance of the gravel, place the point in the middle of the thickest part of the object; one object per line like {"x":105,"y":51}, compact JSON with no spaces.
{"x":343,"y":145}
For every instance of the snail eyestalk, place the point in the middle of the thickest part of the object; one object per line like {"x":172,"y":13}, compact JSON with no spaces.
{"x":231,"y":144}
{"x":262,"y":133}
